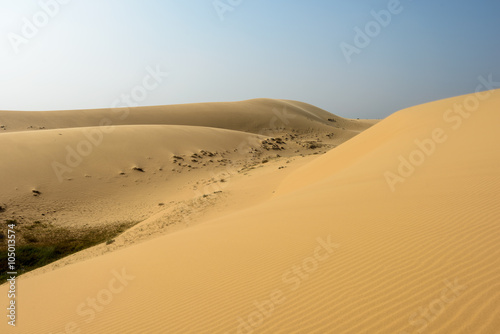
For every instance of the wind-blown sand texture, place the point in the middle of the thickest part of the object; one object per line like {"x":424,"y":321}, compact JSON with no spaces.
{"x":351,"y":241}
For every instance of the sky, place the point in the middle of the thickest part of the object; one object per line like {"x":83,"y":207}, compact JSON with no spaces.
{"x":365,"y":59}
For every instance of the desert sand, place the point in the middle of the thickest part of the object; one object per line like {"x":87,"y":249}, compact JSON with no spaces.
{"x":304,"y":222}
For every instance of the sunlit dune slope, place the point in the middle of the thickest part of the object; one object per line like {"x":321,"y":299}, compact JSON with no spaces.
{"x":341,"y":248}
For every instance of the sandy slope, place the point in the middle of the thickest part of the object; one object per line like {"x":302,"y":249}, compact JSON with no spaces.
{"x":149,"y":170}
{"x":104,"y":180}
{"x":82,"y":160}
{"x":338,"y":249}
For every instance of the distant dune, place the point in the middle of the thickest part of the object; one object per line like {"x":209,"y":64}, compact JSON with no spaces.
{"x":396,"y":230}
{"x":253,"y":116}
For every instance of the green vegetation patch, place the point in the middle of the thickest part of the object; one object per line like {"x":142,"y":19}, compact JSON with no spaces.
{"x":38,"y":243}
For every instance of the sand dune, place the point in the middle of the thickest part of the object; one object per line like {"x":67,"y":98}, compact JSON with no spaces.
{"x":394,"y":231}
{"x":85,"y":167}
{"x":160,"y":177}
{"x":85,"y":159}
{"x":255,"y":116}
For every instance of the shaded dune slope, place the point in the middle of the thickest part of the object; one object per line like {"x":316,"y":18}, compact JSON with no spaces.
{"x":256,"y":116}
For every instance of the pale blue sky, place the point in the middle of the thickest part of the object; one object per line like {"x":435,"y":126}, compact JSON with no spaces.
{"x":90,"y":52}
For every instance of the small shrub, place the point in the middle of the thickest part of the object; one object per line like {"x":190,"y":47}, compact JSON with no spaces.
{"x":30,"y":238}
